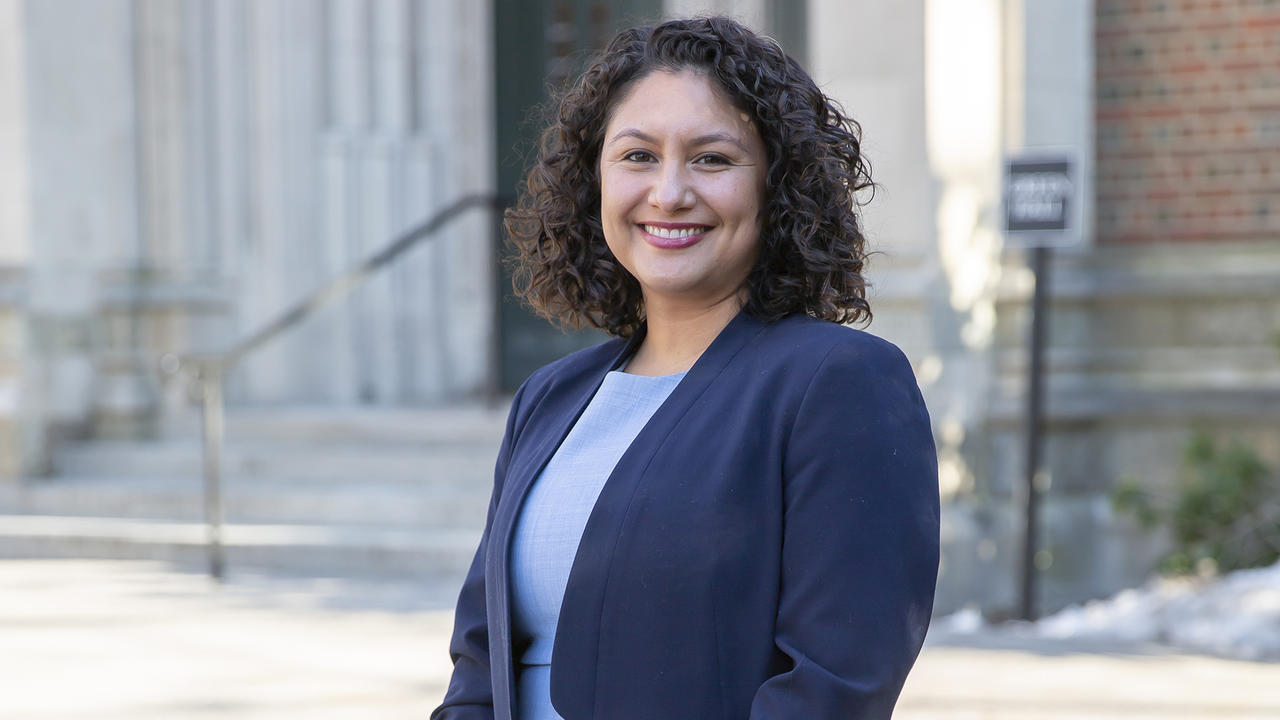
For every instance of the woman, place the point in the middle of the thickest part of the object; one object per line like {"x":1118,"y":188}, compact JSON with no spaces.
{"x":731,"y":509}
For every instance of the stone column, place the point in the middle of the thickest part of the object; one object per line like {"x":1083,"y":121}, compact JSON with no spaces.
{"x":83,"y":201}
{"x":23,"y":420}
{"x":923,"y":80}
{"x":1048,"y":107}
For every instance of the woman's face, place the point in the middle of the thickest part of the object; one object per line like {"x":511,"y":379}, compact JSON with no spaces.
{"x":682,"y":176}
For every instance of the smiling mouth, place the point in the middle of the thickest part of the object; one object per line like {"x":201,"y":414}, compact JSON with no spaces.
{"x":675,"y":233}
{"x":674,"y":238}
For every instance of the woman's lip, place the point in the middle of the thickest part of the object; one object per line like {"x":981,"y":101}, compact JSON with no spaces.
{"x":674,"y":225}
{"x":673,"y":243}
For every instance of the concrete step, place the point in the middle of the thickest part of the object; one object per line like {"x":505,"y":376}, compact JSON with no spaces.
{"x":303,"y":490}
{"x":256,"y":500}
{"x":442,"y":555}
{"x":437,"y":426}
{"x":467,"y":464}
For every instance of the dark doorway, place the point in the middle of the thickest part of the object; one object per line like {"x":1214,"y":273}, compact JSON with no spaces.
{"x":538,"y":45}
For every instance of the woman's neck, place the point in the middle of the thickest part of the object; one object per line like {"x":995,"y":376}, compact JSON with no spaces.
{"x":676,"y":336}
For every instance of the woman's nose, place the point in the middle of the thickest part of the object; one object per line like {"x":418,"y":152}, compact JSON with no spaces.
{"x":671,"y":189}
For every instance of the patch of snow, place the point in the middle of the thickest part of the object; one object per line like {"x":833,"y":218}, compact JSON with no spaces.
{"x":965,"y":621}
{"x":1236,"y":615}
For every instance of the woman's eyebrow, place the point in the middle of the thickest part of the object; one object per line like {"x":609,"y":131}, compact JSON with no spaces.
{"x":719,"y":137}
{"x":699,"y":141}
{"x":632,"y":132}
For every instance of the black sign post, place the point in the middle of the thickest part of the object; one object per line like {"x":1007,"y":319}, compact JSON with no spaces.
{"x":1038,"y":213}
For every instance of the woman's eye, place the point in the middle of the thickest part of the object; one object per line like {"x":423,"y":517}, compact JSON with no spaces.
{"x":711,"y":160}
{"x":637,"y":156}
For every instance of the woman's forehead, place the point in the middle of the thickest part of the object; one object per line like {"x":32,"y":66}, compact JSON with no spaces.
{"x":685,"y":101}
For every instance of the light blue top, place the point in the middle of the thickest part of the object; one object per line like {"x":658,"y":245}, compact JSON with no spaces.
{"x":554,"y":515}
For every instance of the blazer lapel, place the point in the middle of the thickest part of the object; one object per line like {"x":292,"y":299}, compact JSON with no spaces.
{"x":573,"y":666}
{"x":538,"y":443}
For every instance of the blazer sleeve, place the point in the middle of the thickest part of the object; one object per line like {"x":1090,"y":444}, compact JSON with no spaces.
{"x":470,"y":692}
{"x":860,"y":539}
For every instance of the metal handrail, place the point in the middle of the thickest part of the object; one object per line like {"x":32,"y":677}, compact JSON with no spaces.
{"x":207,"y":370}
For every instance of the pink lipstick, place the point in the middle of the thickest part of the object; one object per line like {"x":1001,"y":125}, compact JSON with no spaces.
{"x":673,"y":236}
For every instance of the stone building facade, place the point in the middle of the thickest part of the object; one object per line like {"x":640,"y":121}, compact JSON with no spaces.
{"x":191,"y":169}
{"x":176,"y":172}
{"x":1163,"y":317}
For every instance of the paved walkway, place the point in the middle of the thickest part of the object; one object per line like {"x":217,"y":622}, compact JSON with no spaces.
{"x":106,"y":640}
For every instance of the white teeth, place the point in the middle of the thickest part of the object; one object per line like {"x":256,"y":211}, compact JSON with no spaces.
{"x":673,"y":232}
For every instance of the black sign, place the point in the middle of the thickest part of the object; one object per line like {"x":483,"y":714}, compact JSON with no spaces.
{"x":1038,"y":196}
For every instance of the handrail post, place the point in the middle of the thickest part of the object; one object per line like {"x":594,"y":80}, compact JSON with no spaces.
{"x":212,"y":414}
{"x":210,"y":370}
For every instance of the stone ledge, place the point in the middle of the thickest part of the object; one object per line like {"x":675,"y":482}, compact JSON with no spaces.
{"x":1214,"y":359}
{"x":1212,"y":270}
{"x":1182,"y":405}
{"x":373,"y":550}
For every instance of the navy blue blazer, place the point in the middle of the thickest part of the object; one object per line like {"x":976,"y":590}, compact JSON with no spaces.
{"x":766,"y":548}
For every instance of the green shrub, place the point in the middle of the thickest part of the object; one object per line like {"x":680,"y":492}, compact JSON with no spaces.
{"x":1225,"y":512}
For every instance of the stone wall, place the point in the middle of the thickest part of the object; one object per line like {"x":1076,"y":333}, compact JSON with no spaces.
{"x":189,"y":170}
{"x":1148,"y":343}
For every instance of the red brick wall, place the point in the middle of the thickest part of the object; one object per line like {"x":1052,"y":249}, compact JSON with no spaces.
{"x":1188,"y":120}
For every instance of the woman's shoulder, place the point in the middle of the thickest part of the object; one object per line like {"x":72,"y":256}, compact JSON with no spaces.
{"x":836,"y":374}
{"x":812,"y":341}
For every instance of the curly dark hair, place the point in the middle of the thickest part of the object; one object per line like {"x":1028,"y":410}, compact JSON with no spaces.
{"x":812,"y":249}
